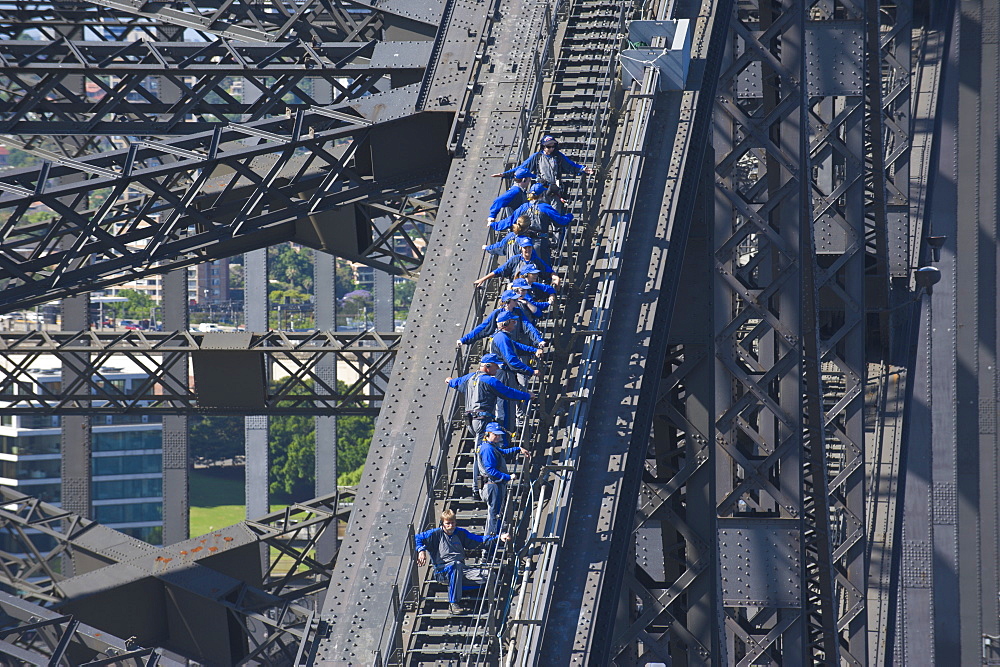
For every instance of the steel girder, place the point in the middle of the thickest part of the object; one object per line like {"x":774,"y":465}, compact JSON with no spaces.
{"x":362,"y":610}
{"x":296,"y":358}
{"x":162,"y":88}
{"x":207,"y":578}
{"x":269,"y":21}
{"x":34,"y":635}
{"x":309,"y":176}
{"x":789,"y":317}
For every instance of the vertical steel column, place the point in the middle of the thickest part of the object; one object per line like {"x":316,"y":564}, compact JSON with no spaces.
{"x":176,"y":458}
{"x":325,"y":290}
{"x":384,"y":318}
{"x":890,"y":70}
{"x":76,"y":438}
{"x":835,"y":85}
{"x":976,"y":304}
{"x":258,"y":462}
{"x":761,"y":204}
{"x":683,"y":436}
{"x":77,"y":492}
{"x":927,"y":619}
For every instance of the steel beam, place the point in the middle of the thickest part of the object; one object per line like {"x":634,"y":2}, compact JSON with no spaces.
{"x":130,"y":81}
{"x":363,"y":358}
{"x":361,"y":612}
{"x":326,"y":468}
{"x":204,"y":597}
{"x":76,"y":470}
{"x":176,"y":455}
{"x":256,"y":310}
{"x":219,"y":193}
{"x":30,"y":634}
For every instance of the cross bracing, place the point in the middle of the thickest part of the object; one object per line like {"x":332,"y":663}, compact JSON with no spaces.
{"x":296,"y":360}
{"x":137,"y":88}
{"x":772,"y":424}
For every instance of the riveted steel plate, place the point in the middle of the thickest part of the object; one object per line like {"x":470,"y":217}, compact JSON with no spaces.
{"x":401,"y":54}
{"x":916,"y":564}
{"x":835,"y":58}
{"x":649,"y":550}
{"x":760,"y":562}
{"x":987,"y":416}
{"x":945,"y":505}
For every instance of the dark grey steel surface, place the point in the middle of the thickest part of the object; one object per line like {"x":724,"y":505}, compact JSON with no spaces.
{"x":393,"y":495}
{"x":76,"y":470}
{"x":176,"y":456}
{"x":32,"y":634}
{"x":265,"y":21}
{"x":326,"y":468}
{"x":931,"y":601}
{"x":256,"y":311}
{"x":206,"y":598}
{"x":970,"y":492}
{"x":585,"y":598}
{"x":167,"y":390}
{"x":760,"y":563}
{"x":244,"y":186}
{"x":199,"y":71}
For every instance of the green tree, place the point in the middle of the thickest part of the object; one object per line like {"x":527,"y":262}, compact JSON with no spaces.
{"x":137,"y":307}
{"x":354,"y":437}
{"x":293,"y":455}
{"x":293,"y":450}
{"x":216,"y":438}
{"x":292,"y":266}
{"x":402,"y":295}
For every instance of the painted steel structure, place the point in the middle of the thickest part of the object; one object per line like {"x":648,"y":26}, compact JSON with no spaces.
{"x":217,"y":360}
{"x":795,"y":462}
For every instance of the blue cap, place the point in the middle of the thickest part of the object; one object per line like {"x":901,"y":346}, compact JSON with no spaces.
{"x":520,"y":283}
{"x":494,"y":427}
{"x":521,"y":172}
{"x":538,"y":188}
{"x":530,"y":268}
{"x":491,"y":359}
{"x":506,"y":316}
{"x":548,"y":139}
{"x":508,"y":295}
{"x":525,"y":242}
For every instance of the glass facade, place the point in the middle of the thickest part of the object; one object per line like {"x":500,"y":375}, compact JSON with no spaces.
{"x":125,"y":446}
{"x":126,"y":440}
{"x":128,"y":488}
{"x":31,"y":469}
{"x":31,"y":444}
{"x":50,"y":492}
{"x":126,"y":465}
{"x":150,"y":534}
{"x":129,"y":513}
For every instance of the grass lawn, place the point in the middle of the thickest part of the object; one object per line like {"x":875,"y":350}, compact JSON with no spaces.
{"x":217,"y":499}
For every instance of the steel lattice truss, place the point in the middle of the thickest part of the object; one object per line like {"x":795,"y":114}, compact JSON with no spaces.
{"x":303,"y":152}
{"x":114,"y":20}
{"x":365,"y":358}
{"x":273,"y":616}
{"x":34,"y":635}
{"x":786,"y":433}
{"x":162,"y":88}
{"x":223,"y":192}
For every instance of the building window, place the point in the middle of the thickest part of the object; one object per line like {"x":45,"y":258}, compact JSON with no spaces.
{"x":128,"y":488}
{"x":127,"y":440}
{"x":127,"y":465}
{"x":47,"y":493}
{"x":31,"y":444}
{"x":128,"y":513}
{"x":31,"y":469}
